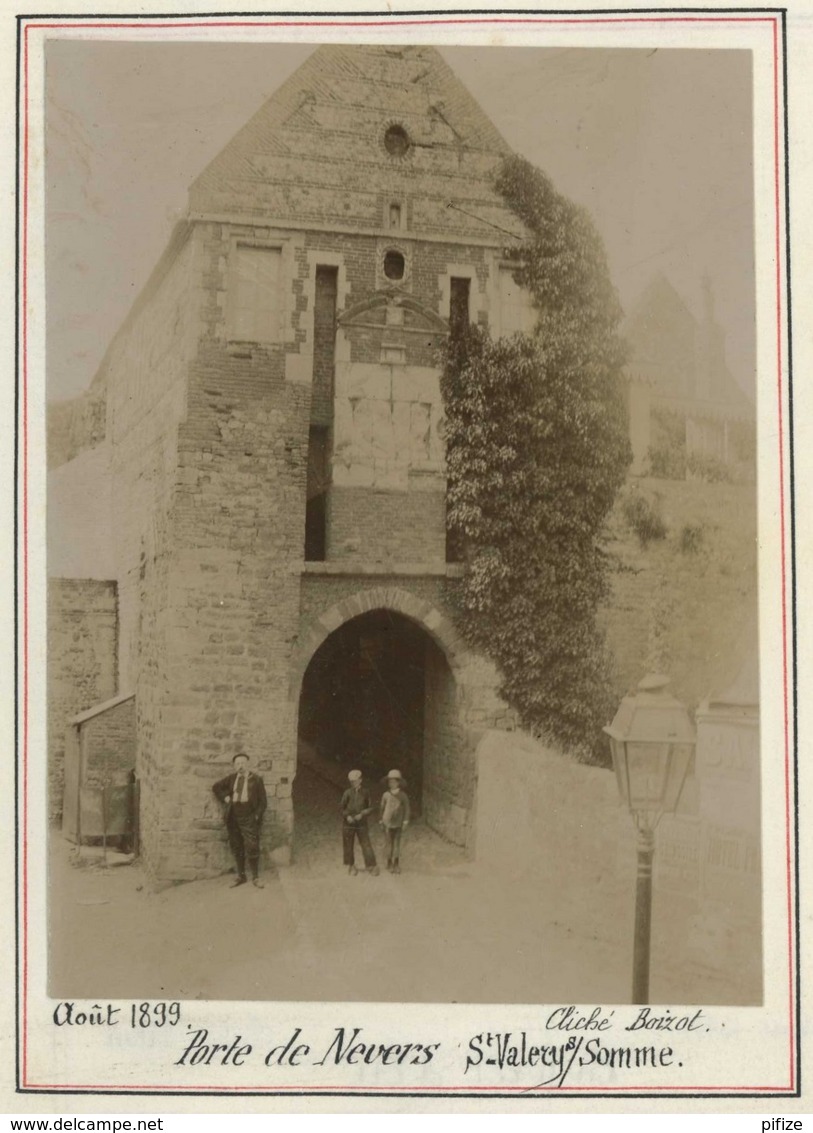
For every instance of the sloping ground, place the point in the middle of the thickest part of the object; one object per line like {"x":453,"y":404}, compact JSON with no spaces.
{"x":684,"y":604}
{"x":439,"y":933}
{"x":578,"y":861}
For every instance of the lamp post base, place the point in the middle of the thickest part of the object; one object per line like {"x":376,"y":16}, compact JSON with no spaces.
{"x":643,"y":917}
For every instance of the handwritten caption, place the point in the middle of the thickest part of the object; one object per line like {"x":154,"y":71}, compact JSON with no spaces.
{"x":568,"y":1043}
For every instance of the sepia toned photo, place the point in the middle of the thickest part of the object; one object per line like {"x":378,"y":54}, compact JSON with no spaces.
{"x":402,"y":627}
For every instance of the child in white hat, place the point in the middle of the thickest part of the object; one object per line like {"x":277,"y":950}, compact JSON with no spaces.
{"x":394,"y":818}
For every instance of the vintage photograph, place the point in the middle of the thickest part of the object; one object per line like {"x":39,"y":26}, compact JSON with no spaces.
{"x":402,"y":637}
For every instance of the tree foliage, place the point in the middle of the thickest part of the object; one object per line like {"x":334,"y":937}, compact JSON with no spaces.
{"x":537,"y":449}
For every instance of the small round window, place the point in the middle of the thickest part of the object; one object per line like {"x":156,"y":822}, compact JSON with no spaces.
{"x":396,"y":141}
{"x":394,"y":265}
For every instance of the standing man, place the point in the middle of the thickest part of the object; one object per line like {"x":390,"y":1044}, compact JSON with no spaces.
{"x":243,"y":796}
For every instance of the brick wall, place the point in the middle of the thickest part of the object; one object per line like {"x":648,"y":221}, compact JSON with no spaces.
{"x":81,"y":663}
{"x":372,"y":525}
{"x":314,"y":152}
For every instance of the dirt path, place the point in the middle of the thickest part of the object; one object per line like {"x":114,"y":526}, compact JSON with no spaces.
{"x":439,"y":932}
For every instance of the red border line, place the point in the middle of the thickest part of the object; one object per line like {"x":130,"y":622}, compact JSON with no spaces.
{"x":719,"y":18}
{"x":554,"y":1091}
{"x":24,"y":556}
{"x":519,"y":22}
{"x":779,"y":359}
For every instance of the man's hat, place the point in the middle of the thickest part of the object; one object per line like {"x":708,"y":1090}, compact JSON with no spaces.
{"x":240,"y":755}
{"x":354,"y":776}
{"x":395,"y":775}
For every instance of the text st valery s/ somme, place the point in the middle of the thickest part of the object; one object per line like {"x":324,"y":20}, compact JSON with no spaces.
{"x":569,"y":1041}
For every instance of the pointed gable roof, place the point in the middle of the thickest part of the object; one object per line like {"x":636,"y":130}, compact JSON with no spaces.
{"x":662,"y":333}
{"x":315,"y":151}
{"x":673,"y":351}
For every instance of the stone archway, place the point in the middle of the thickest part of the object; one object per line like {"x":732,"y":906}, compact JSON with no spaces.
{"x":377,"y":682}
{"x":437,"y":625}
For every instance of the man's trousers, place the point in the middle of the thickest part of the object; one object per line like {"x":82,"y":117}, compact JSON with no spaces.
{"x":244,"y":839}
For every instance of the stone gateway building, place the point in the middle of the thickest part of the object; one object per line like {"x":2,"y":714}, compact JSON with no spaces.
{"x":248,"y":505}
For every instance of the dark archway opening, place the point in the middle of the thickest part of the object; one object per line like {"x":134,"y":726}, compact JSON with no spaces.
{"x":369,"y":701}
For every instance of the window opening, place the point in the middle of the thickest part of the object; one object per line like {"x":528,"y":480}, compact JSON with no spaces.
{"x":394,"y":265}
{"x":256,"y":306}
{"x":316,"y":494}
{"x":396,"y":141}
{"x":459,"y":297}
{"x":324,"y":343}
{"x":459,"y":292}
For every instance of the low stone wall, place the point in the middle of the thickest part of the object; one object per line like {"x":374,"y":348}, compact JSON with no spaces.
{"x":82,"y":630}
{"x":678,"y":604}
{"x":557,"y":832}
{"x":100,"y":763}
{"x":108,"y":737}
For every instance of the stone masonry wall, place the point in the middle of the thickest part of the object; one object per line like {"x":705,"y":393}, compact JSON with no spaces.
{"x":229,"y":595}
{"x":75,"y":425}
{"x":321,"y":590}
{"x":680,"y":604}
{"x":209,"y":449}
{"x":232,"y":608}
{"x":81,"y":663}
{"x":145,"y":372}
{"x":449,"y":767}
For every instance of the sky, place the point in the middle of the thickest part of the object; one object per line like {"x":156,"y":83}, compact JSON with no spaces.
{"x":657,"y":144}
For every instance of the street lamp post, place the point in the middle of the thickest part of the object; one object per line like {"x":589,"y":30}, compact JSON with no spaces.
{"x":652,"y":740}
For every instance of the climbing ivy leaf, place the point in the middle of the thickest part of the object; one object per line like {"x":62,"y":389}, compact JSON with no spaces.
{"x":537,"y":449}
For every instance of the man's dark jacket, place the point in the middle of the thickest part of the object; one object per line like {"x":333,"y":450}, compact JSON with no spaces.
{"x":224,"y":792}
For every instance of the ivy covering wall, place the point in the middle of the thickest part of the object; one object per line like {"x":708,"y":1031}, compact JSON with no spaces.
{"x":537,"y":449}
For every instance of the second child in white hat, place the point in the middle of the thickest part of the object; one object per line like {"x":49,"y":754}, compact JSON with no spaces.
{"x":394,"y":818}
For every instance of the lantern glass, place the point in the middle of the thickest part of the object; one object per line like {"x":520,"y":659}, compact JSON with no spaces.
{"x":680,"y":757}
{"x":646,"y":765}
{"x":618,"y":750}
{"x":652,"y":741}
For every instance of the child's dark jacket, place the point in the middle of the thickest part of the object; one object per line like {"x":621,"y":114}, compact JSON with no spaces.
{"x":356,"y":805}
